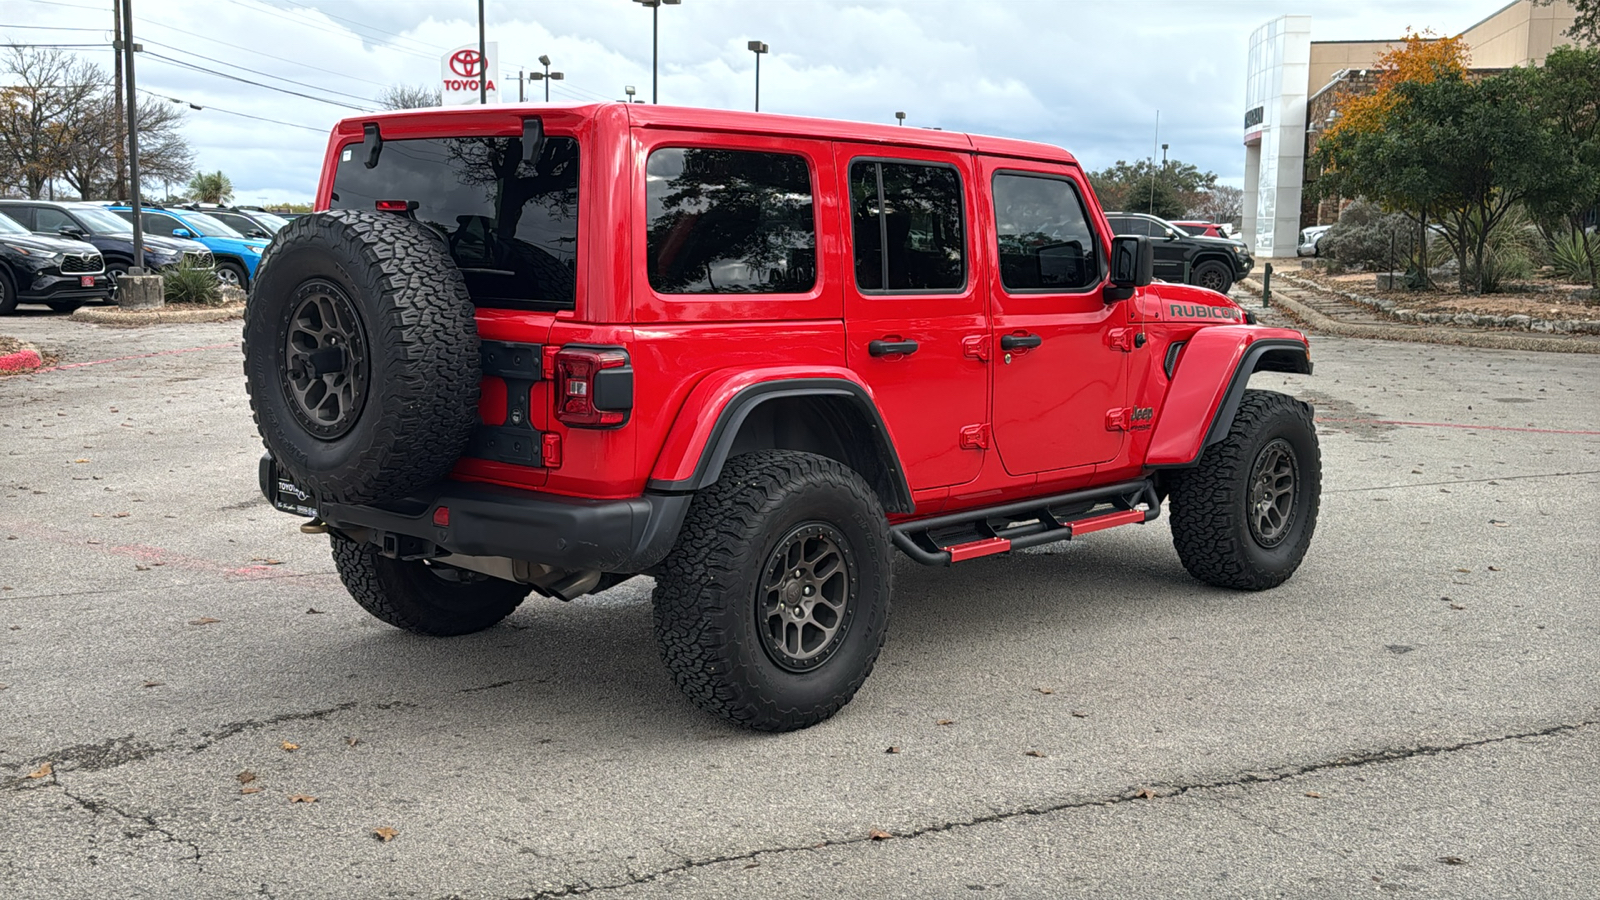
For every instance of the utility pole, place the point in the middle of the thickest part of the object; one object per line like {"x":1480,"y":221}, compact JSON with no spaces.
{"x":483,"y":61}
{"x":1152,"y":208}
{"x":119,"y":189}
{"x":133,"y":140}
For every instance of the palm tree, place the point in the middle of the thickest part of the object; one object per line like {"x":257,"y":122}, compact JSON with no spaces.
{"x":211,"y":187}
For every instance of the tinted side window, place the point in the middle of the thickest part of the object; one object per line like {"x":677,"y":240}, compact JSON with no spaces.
{"x":237,"y":222}
{"x":1123,"y":225}
{"x":51,"y":220}
{"x":914,"y":211}
{"x":21,"y":215}
{"x":729,"y":221}
{"x":156,"y":223}
{"x":1044,"y":237}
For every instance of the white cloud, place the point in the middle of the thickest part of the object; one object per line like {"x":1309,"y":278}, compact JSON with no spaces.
{"x":1087,"y":76}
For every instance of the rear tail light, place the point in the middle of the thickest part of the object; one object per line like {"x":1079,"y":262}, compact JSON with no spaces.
{"x":594,"y":386}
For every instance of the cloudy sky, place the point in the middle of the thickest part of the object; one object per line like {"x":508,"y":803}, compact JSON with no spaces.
{"x":1088,"y":75}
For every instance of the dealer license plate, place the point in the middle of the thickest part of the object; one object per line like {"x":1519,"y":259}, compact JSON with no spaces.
{"x":86,"y":280}
{"x":291,"y":498}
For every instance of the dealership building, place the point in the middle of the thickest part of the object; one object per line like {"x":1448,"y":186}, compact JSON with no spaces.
{"x":1293,"y":82}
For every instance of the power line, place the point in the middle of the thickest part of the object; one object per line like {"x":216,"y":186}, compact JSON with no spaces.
{"x":259,"y":72}
{"x":292,"y":62}
{"x":178,"y":62}
{"x":53,"y":46}
{"x":205,"y":108}
{"x":53,"y":28}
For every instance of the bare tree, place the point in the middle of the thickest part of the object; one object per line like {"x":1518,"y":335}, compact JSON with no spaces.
{"x":407,"y":96}
{"x":51,"y":89}
{"x":1222,"y":203}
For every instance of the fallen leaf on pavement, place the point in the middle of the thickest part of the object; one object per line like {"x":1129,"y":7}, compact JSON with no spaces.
{"x":892,"y":750}
{"x":120,"y":515}
{"x":246,"y":776}
{"x":351,"y":741}
{"x":42,"y":772}
{"x":1033,"y":753}
{"x":1498,"y":524}
{"x":250,"y":790}
{"x":1076,"y":714}
{"x":945,"y":722}
{"x":153,"y":684}
{"x":97,"y":515}
{"x":139,"y":568}
{"x":1452,"y":860}
{"x":289,"y":748}
{"x":1494,"y":568}
{"x":302,"y":798}
{"x":1045,"y":690}
{"x":1457,"y":606}
{"x":313,"y":611}
{"x":81,"y":459}
{"x":1314,"y":795}
{"x":384,"y":833}
{"x":204,"y":620}
{"x":876,"y":835}
{"x":1463,"y":570}
{"x":1147,"y":794}
{"x":266,"y":561}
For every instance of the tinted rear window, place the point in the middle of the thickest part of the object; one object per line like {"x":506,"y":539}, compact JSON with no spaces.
{"x":512,"y":226}
{"x":729,"y":221}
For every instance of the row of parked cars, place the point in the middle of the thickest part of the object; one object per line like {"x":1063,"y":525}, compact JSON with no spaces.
{"x":66,"y":254}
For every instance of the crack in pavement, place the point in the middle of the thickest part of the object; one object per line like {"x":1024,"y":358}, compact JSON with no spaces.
{"x":114,"y":752}
{"x":100,"y":807}
{"x":1156,"y":790}
{"x":1491,"y":480}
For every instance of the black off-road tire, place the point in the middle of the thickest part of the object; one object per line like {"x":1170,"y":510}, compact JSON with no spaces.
{"x":709,"y":591}
{"x":423,"y":597}
{"x":1212,"y":274}
{"x":413,"y":395}
{"x":1212,"y":502}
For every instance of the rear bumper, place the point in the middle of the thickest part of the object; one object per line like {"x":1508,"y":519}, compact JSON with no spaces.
{"x":622,"y":536}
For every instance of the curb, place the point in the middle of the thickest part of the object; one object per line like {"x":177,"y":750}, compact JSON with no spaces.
{"x":1322,"y":323}
{"x":158,"y":316}
{"x":1391,"y":309}
{"x":21,"y":361}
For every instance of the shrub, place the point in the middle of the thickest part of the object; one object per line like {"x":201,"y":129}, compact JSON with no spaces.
{"x":1367,"y":236}
{"x":187,"y":284}
{"x":1568,"y":259}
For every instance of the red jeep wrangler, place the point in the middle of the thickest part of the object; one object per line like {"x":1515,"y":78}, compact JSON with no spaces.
{"x":549,"y":348}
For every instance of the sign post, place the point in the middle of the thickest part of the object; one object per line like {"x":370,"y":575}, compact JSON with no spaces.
{"x":463,"y":75}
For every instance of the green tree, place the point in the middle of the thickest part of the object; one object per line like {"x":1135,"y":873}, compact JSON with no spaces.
{"x":1452,"y":150}
{"x":1168,"y":190}
{"x":211,"y":187}
{"x":1566,"y":98}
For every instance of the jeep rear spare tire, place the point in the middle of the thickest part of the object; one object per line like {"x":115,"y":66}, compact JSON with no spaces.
{"x":361,"y":355}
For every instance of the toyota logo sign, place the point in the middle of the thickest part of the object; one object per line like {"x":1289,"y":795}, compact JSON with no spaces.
{"x":461,"y":70}
{"x":465,"y":63}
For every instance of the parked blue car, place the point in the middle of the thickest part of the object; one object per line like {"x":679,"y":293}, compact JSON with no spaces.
{"x":236,"y":255}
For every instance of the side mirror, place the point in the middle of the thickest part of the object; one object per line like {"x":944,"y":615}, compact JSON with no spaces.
{"x":1132,"y":266}
{"x":1172,"y":235}
{"x":180,"y":232}
{"x":258,"y":233}
{"x":71,"y":231}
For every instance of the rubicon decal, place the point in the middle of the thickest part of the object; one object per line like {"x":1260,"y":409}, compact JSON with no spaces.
{"x":1201,"y":311}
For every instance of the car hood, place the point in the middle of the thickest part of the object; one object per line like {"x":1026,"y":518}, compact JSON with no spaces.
{"x":235,"y":245}
{"x":175,"y":245}
{"x":1205,"y":241}
{"x":52,"y":244}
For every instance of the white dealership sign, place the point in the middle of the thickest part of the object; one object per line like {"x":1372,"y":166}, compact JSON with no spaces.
{"x":462,"y":69}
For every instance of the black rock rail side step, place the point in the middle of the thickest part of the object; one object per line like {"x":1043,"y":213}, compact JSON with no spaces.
{"x":969,"y":534}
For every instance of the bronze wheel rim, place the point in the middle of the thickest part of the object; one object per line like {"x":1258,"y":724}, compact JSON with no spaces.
{"x":806,"y":597}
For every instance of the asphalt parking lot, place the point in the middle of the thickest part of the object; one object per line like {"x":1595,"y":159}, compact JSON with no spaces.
{"x":192,"y":706}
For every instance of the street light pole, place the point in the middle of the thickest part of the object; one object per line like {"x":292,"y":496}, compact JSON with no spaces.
{"x":758,"y":49}
{"x":655,"y":42}
{"x":133,"y":139}
{"x":483,"y":61}
{"x":547,"y":76}
{"x":629,"y":90}
{"x":901,"y":117}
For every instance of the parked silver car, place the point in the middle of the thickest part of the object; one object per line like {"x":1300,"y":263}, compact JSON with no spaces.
{"x":1309,"y":238}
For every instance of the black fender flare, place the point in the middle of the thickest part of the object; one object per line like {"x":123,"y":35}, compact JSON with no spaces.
{"x":895,"y":492}
{"x":1269,"y":355}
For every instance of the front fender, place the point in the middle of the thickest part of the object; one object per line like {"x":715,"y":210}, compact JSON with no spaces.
{"x":1210,"y":380}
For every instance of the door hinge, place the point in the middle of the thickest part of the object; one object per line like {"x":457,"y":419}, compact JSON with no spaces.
{"x":1129,"y":418}
{"x":1125,"y":339}
{"x":975,"y":437}
{"x":976,"y":346}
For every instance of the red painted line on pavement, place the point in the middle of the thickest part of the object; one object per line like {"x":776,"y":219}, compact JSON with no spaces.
{"x":144,"y":554}
{"x":1456,"y":425}
{"x":97,"y":362}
